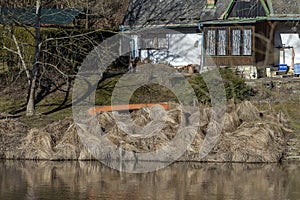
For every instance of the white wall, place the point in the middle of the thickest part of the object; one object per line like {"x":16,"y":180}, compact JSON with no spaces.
{"x":293,"y":40}
{"x":285,"y":35}
{"x":183,"y":49}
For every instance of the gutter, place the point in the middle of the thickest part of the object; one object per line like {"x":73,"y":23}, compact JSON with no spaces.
{"x":133,"y":49}
{"x":203,"y":53}
{"x":284,"y":18}
{"x":174,"y":26}
{"x":121,"y":28}
{"x":235,"y":21}
{"x":252,"y":20}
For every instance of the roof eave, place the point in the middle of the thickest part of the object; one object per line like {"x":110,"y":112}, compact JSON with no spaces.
{"x":252,"y":20}
{"x":284,"y":17}
{"x":167,"y":26}
{"x":234,"y":21}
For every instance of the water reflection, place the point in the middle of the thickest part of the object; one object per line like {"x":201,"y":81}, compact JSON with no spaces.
{"x":92,"y":180}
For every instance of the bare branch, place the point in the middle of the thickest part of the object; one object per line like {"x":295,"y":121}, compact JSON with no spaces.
{"x":19,"y":53}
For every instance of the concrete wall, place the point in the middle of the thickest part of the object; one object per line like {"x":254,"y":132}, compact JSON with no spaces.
{"x":183,"y":49}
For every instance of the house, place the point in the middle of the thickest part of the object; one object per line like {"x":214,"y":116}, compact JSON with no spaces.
{"x":242,"y":33}
{"x":49,"y":17}
{"x":253,"y":33}
{"x":168,"y":30}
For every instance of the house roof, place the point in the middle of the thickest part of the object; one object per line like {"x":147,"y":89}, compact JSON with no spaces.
{"x":48,"y":16}
{"x":286,"y":7}
{"x":143,"y":13}
{"x":169,"y":13}
{"x":269,"y":9}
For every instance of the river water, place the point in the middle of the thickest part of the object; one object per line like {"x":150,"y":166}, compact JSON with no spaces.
{"x":92,"y":180}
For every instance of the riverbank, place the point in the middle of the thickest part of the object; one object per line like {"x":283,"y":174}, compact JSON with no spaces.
{"x":264,"y":129}
{"x":248,"y":135}
{"x":281,"y":94}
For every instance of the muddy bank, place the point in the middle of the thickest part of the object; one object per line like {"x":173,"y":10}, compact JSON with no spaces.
{"x":247,"y":135}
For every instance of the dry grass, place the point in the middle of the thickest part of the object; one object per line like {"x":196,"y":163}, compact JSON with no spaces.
{"x":283,"y":99}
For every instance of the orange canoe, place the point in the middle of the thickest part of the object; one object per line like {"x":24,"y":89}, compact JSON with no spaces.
{"x":95,"y":110}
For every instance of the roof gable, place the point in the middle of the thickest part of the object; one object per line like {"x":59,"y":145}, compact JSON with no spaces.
{"x":262,"y":8}
{"x":247,"y":9}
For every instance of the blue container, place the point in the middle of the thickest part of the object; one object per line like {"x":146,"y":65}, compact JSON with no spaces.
{"x":296,"y":69}
{"x":283,"y":67}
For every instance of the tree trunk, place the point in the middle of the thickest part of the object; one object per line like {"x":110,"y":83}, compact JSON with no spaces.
{"x":269,"y":45}
{"x":87,"y":15}
{"x":30,"y":110}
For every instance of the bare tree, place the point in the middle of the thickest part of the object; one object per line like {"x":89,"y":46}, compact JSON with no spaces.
{"x":31,"y":73}
{"x":100,"y":13}
{"x":49,"y":57}
{"x":30,"y":110}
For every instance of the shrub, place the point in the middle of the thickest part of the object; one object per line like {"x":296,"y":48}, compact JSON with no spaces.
{"x":235,"y":86}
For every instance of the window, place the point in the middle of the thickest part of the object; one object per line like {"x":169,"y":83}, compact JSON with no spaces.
{"x":236,"y":42}
{"x":222,"y":42}
{"x":241,"y":42}
{"x":162,"y":42}
{"x":157,"y":41}
{"x":247,"y":42}
{"x":225,"y":41}
{"x":211,"y":45}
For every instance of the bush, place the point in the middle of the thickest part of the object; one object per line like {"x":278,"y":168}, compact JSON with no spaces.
{"x":235,"y":86}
